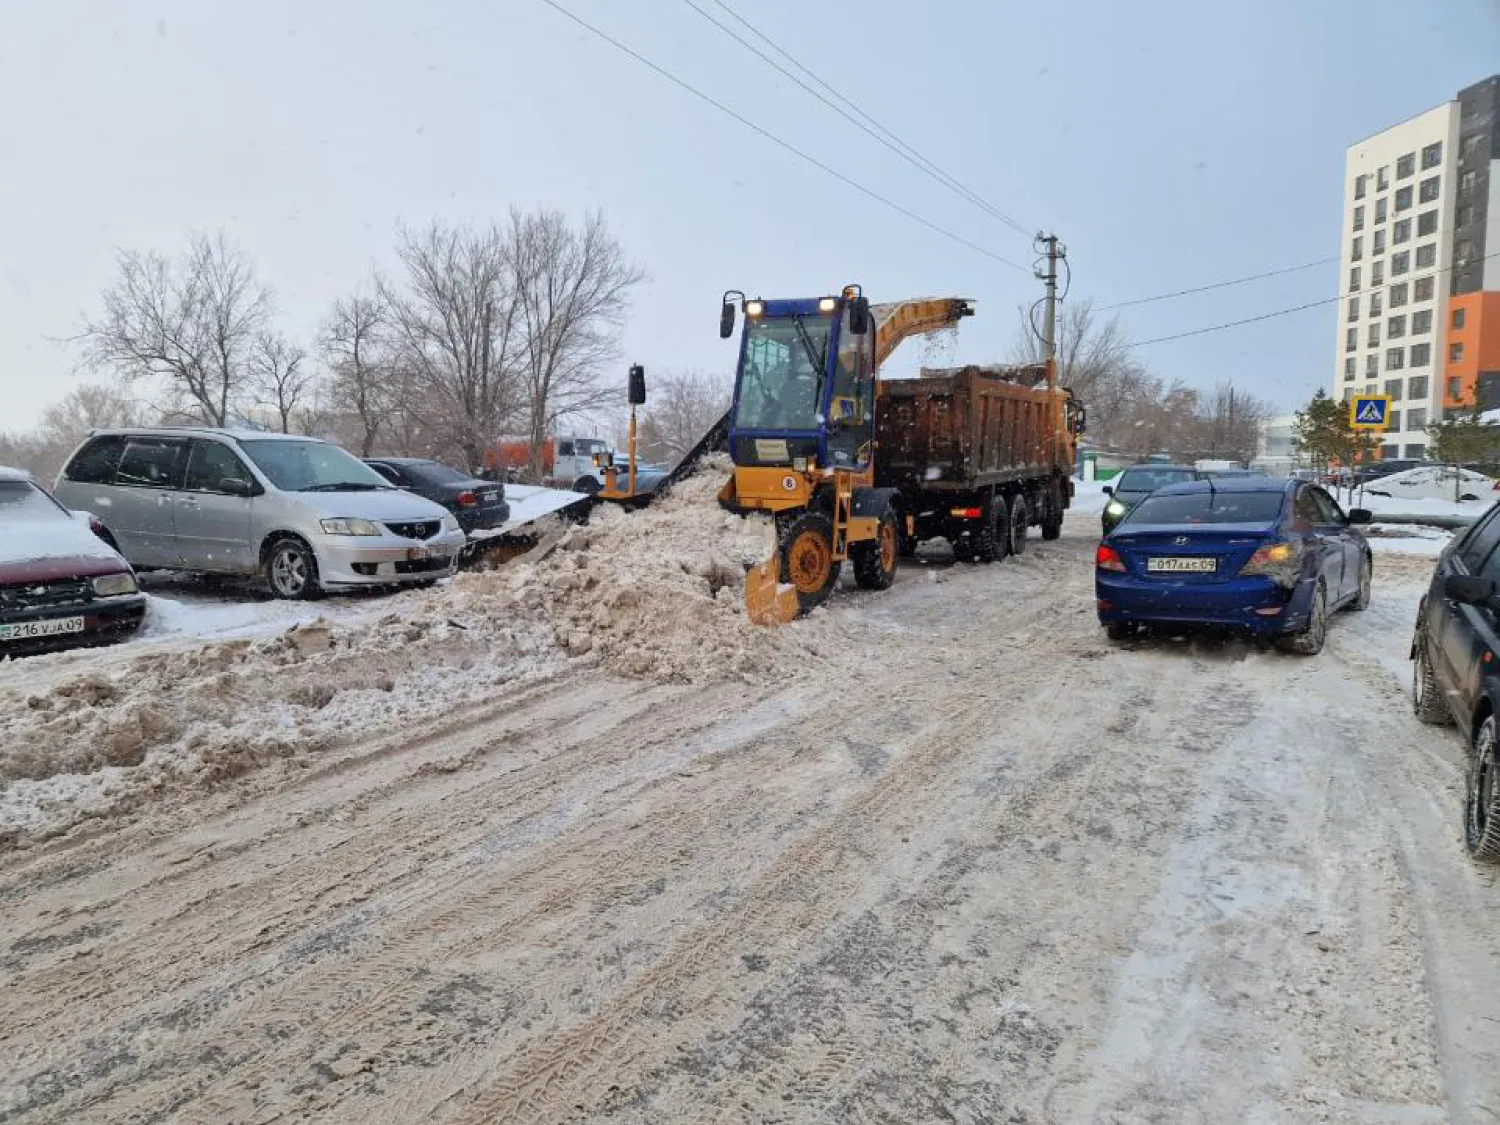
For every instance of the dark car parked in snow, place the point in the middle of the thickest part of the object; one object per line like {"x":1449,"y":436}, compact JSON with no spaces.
{"x":1136,"y":483}
{"x":1271,"y":558}
{"x":1455,"y":675}
{"x":478,"y":505}
{"x":61,"y":585}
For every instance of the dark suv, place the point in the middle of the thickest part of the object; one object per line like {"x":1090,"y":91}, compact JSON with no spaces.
{"x":1455,"y":675}
{"x":478,"y":505}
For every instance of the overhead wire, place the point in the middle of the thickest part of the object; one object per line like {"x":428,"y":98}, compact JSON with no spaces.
{"x":1288,"y":311}
{"x":788,"y":146}
{"x":1218,"y":285}
{"x":853,"y":113}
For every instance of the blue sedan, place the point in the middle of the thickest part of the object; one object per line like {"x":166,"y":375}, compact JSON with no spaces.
{"x":1271,"y":558}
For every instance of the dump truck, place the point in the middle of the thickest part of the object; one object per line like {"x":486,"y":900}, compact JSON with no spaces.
{"x":803,"y":429}
{"x":977,"y":456}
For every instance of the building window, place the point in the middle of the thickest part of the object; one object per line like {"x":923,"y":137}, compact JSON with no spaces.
{"x":1421,"y":355}
{"x":1359,"y":218}
{"x":1400,"y":263}
{"x":1382,"y":179}
{"x":1372,"y":336}
{"x":1467,"y":181}
{"x":1354,"y":280}
{"x":1359,"y":186}
{"x":1375,"y":309}
{"x":1427,"y":256}
{"x":1421,"y":322}
{"x":1458,"y":318}
{"x":1390,"y":452}
{"x":1351,"y":339}
{"x":1429,"y":190}
{"x":1393,"y":389}
{"x":1395,"y":328}
{"x":1356,"y":251}
{"x":1416,"y":419}
{"x":1377,"y":274}
{"x":1353,"y":308}
{"x":1432,"y":155}
{"x":1380,"y":210}
{"x":1395,"y":359}
{"x":1349,"y":367}
{"x":1403,"y":199}
{"x":1401,"y":232}
{"x":1421,"y":289}
{"x":1378,"y":246}
{"x":1416,"y":451}
{"x":1455,"y":388}
{"x":1471,"y":146}
{"x":1455,"y":353}
{"x":1406,"y":166}
{"x":1372,"y":366}
{"x":1398,"y":294}
{"x":1393,"y":422}
{"x":1426,"y":223}
{"x":1463,"y":251}
{"x":1416,"y":388}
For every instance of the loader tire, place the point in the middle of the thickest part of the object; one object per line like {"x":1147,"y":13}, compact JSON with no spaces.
{"x":1020,"y":519}
{"x":805,"y":559}
{"x":991,"y":542}
{"x":875,"y":561}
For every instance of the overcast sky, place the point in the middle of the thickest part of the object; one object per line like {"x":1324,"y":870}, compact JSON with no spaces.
{"x":1170,"y":144}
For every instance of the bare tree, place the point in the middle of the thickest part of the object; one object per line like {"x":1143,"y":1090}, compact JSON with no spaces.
{"x":1230,"y":422}
{"x":355,"y":342}
{"x":570,"y":288}
{"x":282,"y":379}
{"x":455,"y":333}
{"x":679,"y":411}
{"x":189,"y":323}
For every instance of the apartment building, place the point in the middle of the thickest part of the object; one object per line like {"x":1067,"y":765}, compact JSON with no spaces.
{"x":1420,"y":317}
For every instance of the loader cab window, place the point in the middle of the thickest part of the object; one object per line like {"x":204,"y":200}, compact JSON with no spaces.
{"x":851,"y":407}
{"x":781,"y":378}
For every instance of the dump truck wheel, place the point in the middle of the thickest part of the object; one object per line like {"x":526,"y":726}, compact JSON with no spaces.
{"x":1019,"y":521}
{"x":992,"y":542}
{"x":875,"y":561}
{"x":806,"y":556}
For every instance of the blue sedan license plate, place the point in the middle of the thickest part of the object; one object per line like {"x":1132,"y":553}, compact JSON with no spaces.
{"x":1182,"y":566}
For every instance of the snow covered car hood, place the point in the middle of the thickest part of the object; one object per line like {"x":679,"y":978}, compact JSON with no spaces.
{"x":46,"y":549}
{"x":381,"y":506}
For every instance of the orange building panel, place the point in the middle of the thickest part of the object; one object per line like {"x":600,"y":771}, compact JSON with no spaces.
{"x":1471,"y":345}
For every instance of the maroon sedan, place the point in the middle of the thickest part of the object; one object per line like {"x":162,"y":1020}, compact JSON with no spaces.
{"x":60,"y":584}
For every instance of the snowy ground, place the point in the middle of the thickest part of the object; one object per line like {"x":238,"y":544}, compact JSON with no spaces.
{"x":936,"y":854}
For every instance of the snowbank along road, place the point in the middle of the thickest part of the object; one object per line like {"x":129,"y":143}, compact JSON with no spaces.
{"x":936,"y":855}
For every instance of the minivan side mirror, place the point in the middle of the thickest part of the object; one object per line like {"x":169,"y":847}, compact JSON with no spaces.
{"x":1360,"y":515}
{"x":235,"y":486}
{"x":1468,"y":590}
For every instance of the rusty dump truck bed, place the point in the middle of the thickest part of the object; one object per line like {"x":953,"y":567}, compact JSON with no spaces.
{"x":968,"y":427}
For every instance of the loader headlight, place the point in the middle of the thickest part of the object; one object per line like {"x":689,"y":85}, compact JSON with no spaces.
{"x":344,"y":525}
{"x":754,"y":308}
{"x":114,"y":585}
{"x":828,"y":304}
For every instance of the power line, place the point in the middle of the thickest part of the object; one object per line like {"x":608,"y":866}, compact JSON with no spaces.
{"x":1286,"y":312}
{"x":874,"y":128}
{"x":768,"y":135}
{"x":1218,"y":285}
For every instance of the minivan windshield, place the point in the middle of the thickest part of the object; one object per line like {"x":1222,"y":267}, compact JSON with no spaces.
{"x":312,"y":466}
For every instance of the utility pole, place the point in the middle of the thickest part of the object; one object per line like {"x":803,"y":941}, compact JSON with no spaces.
{"x":1055,"y":252}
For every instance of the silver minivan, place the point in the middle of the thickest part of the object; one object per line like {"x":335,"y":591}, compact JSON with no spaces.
{"x":300,"y":513}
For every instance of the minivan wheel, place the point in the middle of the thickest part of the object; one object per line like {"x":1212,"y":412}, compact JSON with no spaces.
{"x":1482,"y":797}
{"x":291,"y":570}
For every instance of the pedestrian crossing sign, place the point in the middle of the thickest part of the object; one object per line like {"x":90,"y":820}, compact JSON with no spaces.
{"x":1369,"y":412}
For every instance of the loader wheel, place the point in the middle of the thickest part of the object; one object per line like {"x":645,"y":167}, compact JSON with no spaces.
{"x":992,"y":541}
{"x":806,"y":556}
{"x":1020,"y":519}
{"x":875,"y":561}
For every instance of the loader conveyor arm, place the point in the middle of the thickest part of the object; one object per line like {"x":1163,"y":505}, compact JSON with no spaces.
{"x":896,"y":321}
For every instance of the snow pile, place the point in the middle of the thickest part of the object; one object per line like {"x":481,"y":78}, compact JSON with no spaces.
{"x":656,"y":593}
